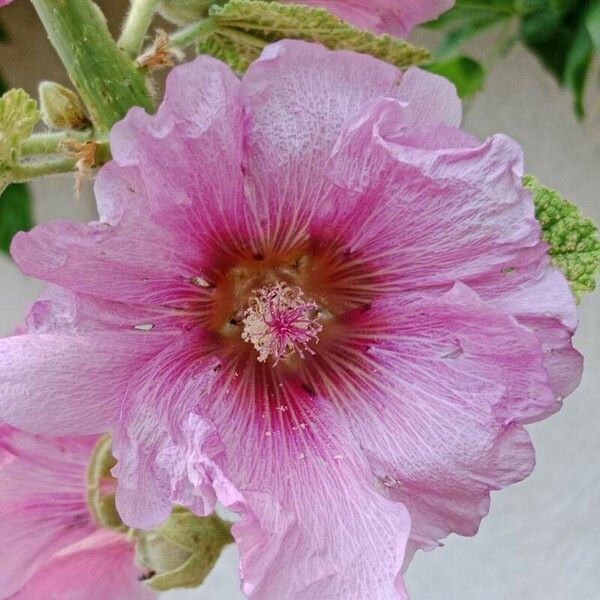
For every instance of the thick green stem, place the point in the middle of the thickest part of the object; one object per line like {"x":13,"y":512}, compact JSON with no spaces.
{"x":49,"y":143}
{"x":27,"y":171}
{"x":136,"y":25}
{"x":108,"y":81}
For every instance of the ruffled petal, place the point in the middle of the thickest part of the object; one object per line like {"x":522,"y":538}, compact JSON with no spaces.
{"x":146,"y":250}
{"x":331,"y":532}
{"x":436,"y":391}
{"x":298,"y":96}
{"x":409,"y":212}
{"x":70,"y":384}
{"x":156,"y":403}
{"x":101,"y":567}
{"x":397,"y":17}
{"x":42,"y":502}
{"x":316,"y":529}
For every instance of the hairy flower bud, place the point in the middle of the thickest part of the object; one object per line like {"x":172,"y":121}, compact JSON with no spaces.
{"x":183,"y":550}
{"x":61,"y":107}
{"x":183,"y":12}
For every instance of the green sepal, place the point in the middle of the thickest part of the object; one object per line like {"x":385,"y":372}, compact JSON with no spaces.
{"x":242,"y":28}
{"x":573,"y":239}
{"x":182,"y":551}
{"x":101,"y":502}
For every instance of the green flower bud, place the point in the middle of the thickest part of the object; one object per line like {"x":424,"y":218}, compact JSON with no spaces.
{"x":183,"y":12}
{"x":102,"y":485}
{"x":61,"y":108}
{"x":183,"y":550}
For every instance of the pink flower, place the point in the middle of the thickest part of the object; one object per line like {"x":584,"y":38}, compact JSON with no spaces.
{"x":397,"y":17}
{"x":5,"y":3}
{"x":309,"y":296}
{"x":51,"y":546}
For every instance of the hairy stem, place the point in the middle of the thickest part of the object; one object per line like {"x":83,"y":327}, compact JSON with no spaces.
{"x":49,"y":143}
{"x":136,"y":25}
{"x":23,"y":172}
{"x":107,"y":80}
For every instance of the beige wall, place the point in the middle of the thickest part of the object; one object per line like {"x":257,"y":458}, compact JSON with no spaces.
{"x":541,"y":541}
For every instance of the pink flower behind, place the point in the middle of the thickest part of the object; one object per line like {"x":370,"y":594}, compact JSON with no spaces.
{"x":5,"y":2}
{"x":311,"y":297}
{"x":51,"y":546}
{"x":397,"y":17}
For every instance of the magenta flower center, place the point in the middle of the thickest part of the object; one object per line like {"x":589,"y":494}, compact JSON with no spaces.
{"x":279,"y":321}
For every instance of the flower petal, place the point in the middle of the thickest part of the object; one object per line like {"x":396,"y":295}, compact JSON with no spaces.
{"x":156,"y":403}
{"x":61,"y":383}
{"x":42,"y":502}
{"x":410,"y":202}
{"x":436,"y":391}
{"x":101,"y":568}
{"x":298,"y":96}
{"x":397,"y":17}
{"x":307,"y":482}
{"x":146,"y":250}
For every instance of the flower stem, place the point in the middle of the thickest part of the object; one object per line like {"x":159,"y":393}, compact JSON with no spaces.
{"x":107,"y":80}
{"x":136,"y":25}
{"x":22,"y":172}
{"x":48,"y":143}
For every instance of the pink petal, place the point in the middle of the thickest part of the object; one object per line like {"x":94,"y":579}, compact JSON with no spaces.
{"x":414,"y":196}
{"x":102,"y":568}
{"x":435,"y":391}
{"x":316,"y":510}
{"x":42,"y":502}
{"x":397,"y":17}
{"x":298,"y":96}
{"x":146,"y":250}
{"x":158,"y":399}
{"x":63,"y":383}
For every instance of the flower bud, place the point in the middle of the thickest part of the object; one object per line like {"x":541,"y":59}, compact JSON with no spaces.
{"x":101,"y":486}
{"x":61,"y":108}
{"x":183,"y":550}
{"x":183,"y":12}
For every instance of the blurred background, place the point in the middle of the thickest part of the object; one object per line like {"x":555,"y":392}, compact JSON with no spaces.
{"x":541,"y":540}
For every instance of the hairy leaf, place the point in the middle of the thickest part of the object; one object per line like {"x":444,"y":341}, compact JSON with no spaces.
{"x":243,"y":27}
{"x":573,"y":239}
{"x":18,"y":117}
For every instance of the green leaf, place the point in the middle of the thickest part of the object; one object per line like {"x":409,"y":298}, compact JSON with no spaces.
{"x":465,"y":73}
{"x":15,"y":213}
{"x":573,"y":239}
{"x":454,"y":39}
{"x":592,"y":22}
{"x":242,"y":28}
{"x":579,"y":60}
{"x":18,"y":117}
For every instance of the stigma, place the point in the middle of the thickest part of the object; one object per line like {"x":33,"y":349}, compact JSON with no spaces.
{"x":280,"y":322}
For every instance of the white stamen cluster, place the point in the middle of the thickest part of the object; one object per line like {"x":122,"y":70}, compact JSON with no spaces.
{"x":279,"y":322}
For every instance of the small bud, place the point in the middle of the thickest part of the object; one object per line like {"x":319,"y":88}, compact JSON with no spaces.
{"x":182,"y":551}
{"x":61,"y":107}
{"x":183,"y":12}
{"x":101,"y":486}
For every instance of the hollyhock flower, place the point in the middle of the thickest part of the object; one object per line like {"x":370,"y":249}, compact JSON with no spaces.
{"x":309,"y":296}
{"x":51,"y":545}
{"x":397,"y":17}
